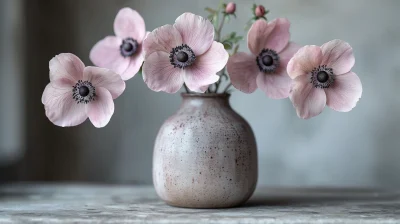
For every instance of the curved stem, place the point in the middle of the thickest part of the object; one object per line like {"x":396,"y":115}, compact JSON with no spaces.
{"x":217,"y":86}
{"x":186,"y":88}
{"x":218,"y":39}
{"x":218,"y":33}
{"x":220,"y":74}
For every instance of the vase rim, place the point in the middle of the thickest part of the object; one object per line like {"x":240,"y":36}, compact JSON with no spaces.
{"x":206,"y":95}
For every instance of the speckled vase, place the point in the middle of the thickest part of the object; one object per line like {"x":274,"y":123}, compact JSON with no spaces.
{"x":205,"y":155}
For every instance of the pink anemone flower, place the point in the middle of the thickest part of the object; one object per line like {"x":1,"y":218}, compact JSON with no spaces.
{"x":183,"y":53}
{"x":76,"y":92}
{"x":122,"y":53}
{"x":265,"y":66}
{"x":322,"y":77}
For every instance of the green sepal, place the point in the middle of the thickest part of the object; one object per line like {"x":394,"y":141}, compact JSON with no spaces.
{"x":227,"y":45}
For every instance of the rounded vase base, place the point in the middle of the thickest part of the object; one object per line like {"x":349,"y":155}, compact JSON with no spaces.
{"x":204,"y":205}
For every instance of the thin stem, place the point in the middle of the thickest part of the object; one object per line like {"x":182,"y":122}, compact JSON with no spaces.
{"x":218,"y":36}
{"x":220,"y":74}
{"x":227,"y":87}
{"x":235,"y":49}
{"x":186,"y":88}
{"x":218,"y":39}
{"x":217,"y":85}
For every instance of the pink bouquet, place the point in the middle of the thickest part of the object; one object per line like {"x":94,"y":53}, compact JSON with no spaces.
{"x":193,"y":54}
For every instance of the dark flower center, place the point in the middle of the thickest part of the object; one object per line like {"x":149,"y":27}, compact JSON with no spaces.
{"x":322,"y":77}
{"x":268,"y":61}
{"x":128,"y":47}
{"x":83,"y":92}
{"x":182,"y":56}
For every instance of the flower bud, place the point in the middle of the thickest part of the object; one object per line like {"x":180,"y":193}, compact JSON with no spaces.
{"x":259,"y":11}
{"x":230,"y":8}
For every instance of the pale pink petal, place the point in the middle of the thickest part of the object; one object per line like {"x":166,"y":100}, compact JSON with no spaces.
{"x":164,"y":38}
{"x":61,"y":109}
{"x":106,"y":53}
{"x":211,"y":62}
{"x":63,"y":83}
{"x":286,"y":55}
{"x":279,"y":38}
{"x":308,"y":100}
{"x":344,"y":93}
{"x":102,"y":77}
{"x":243,"y":71}
{"x":101,"y":110}
{"x":129,"y":23}
{"x":197,"y":32}
{"x":203,"y":72}
{"x":147,"y":34}
{"x":135,"y":63}
{"x":197,"y":78}
{"x":203,"y":89}
{"x":214,"y":60}
{"x":66,"y":65}
{"x":304,"y":61}
{"x":256,"y":37}
{"x":276,"y":86}
{"x":160,"y":75}
{"x":58,"y":87}
{"x":273,"y":35}
{"x":338,"y":55}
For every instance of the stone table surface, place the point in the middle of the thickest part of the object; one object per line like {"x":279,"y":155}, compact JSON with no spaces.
{"x":80,"y":203}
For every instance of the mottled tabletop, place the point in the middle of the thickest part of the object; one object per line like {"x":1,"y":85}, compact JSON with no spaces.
{"x":79,"y":203}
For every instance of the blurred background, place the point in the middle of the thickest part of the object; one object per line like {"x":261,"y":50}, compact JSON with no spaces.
{"x":360,"y":148}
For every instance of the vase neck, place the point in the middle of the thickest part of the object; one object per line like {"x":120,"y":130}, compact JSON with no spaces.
{"x":205,"y":100}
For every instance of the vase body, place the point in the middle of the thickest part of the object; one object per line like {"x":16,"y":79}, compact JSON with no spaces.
{"x":205,"y":155}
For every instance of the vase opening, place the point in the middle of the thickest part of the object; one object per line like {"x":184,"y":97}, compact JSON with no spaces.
{"x":206,"y":95}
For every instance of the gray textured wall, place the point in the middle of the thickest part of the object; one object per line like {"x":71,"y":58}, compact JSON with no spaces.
{"x":360,"y":148}
{"x":11,"y":81}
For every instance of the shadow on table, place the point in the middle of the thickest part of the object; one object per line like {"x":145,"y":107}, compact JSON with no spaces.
{"x":301,"y":196}
{"x":12,"y":191}
{"x":13,"y":195}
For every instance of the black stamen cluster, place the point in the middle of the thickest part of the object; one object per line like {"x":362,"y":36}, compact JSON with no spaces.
{"x":173,"y":56}
{"x":270,"y":67}
{"x":325,"y":82}
{"x":88,"y":97}
{"x":128,"y":47}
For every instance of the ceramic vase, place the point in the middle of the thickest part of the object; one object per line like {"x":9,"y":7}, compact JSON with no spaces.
{"x":205,"y":155}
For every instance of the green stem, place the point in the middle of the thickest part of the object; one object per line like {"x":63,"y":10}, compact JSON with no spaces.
{"x":218,"y":39}
{"x":235,"y":49}
{"x":218,"y":33}
{"x":186,"y":88}
{"x":217,"y":85}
